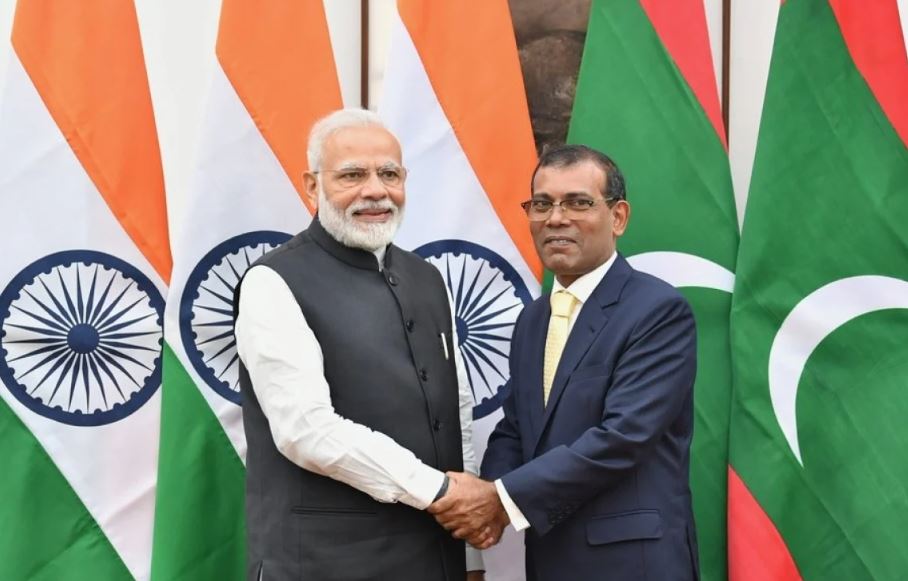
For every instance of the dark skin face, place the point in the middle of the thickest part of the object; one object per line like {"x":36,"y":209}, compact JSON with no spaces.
{"x":568,"y":247}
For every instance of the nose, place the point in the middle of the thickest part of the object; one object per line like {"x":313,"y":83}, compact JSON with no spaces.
{"x":557,"y":217}
{"x":374,"y":188}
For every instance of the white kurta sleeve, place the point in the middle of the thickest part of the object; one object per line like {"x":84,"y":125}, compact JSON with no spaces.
{"x":285,"y":363}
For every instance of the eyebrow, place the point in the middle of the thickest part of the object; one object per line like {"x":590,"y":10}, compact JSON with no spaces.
{"x":358,"y":165}
{"x":567,"y":196}
{"x":351,"y":165}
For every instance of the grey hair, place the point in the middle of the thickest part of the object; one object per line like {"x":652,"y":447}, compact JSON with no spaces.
{"x":332,"y":122}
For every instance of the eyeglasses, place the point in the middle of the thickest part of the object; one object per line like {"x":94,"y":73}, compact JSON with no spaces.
{"x":391,"y":176}
{"x":572,"y":208}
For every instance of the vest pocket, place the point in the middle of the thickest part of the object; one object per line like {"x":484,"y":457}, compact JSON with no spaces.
{"x":332,"y":511}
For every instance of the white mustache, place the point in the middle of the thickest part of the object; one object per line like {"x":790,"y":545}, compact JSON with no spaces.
{"x":372,"y":205}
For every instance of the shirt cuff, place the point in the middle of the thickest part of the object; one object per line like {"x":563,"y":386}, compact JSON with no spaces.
{"x":518,"y":521}
{"x":422,"y":487}
{"x":474,"y":560}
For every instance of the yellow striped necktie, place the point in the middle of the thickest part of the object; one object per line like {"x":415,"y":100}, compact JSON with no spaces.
{"x":563,"y":304}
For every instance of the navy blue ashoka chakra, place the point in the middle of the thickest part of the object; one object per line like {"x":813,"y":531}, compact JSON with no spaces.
{"x":80,"y":337}
{"x":206,"y":308}
{"x":488,"y":294}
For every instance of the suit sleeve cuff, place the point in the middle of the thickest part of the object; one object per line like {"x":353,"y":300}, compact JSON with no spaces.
{"x":518,"y":521}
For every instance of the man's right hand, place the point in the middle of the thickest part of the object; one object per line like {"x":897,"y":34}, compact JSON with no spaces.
{"x":471,"y":510}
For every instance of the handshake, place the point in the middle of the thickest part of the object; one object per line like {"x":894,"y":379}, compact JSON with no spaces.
{"x":471,"y":510}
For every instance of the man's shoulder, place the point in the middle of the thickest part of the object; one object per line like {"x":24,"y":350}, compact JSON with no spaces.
{"x":284,"y":251}
{"x":645,"y":292}
{"x":532,"y":315}
{"x":652,"y":285}
{"x":622,"y":282}
{"x":271,"y":260}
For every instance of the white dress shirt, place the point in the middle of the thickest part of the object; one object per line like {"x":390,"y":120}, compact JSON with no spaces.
{"x":582,"y":289}
{"x":286,"y":366}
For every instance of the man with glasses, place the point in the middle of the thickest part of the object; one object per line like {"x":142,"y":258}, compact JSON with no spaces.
{"x":592,"y":455}
{"x":352,"y":404}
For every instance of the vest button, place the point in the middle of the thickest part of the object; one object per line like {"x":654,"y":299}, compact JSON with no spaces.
{"x":392,"y":280}
{"x":437,"y":425}
{"x":410,"y":325}
{"x":423,"y":374}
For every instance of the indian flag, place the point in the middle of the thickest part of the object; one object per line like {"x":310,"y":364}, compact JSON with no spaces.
{"x":647,"y":96}
{"x":819,"y":486}
{"x":274,"y":77}
{"x":457,"y":103}
{"x":82,"y":286}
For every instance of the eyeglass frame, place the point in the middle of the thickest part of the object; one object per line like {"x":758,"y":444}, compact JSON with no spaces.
{"x":571,"y":213}
{"x":369,"y":171}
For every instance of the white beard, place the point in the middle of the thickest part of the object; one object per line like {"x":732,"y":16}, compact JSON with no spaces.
{"x":349,"y":231}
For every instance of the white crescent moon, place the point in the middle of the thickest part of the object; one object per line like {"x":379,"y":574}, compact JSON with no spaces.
{"x":812,"y":320}
{"x":684,"y":270}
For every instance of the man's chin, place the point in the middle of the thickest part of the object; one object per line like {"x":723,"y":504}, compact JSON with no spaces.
{"x":558,"y":262}
{"x":370,"y":235}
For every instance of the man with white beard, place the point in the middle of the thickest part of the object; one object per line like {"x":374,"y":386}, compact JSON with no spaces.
{"x":352,"y":402}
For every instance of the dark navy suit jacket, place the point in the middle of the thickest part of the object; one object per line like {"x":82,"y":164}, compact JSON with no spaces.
{"x":601,"y":472}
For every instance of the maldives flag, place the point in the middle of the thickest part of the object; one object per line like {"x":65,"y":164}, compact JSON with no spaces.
{"x":647,"y":96}
{"x":819,"y":488}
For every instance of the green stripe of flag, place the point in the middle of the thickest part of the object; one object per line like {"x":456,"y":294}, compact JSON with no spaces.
{"x":46,"y":531}
{"x":199,"y":520}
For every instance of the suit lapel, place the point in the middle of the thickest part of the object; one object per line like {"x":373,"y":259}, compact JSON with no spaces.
{"x":539,"y":325}
{"x":589,"y":324}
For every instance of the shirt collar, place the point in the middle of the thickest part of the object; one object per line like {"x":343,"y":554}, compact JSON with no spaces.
{"x":583,"y":287}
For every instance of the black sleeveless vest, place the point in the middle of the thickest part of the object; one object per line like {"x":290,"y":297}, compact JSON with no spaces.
{"x":380,"y":332}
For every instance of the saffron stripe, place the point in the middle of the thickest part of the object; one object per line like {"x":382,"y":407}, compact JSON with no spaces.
{"x":489,"y":114}
{"x":85,"y":59}
{"x":264,"y":49}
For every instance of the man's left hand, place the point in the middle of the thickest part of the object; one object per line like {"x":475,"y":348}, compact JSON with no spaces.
{"x":476,"y":576}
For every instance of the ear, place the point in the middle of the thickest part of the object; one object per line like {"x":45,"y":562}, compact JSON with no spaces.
{"x":310,"y":183}
{"x":621,"y":214}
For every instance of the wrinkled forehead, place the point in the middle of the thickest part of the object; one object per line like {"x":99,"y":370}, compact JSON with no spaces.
{"x":369,"y":146}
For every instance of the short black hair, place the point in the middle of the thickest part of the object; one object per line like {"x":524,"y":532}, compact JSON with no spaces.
{"x":568,"y":155}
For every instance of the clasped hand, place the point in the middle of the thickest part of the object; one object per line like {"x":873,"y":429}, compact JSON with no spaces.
{"x":471,"y":510}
